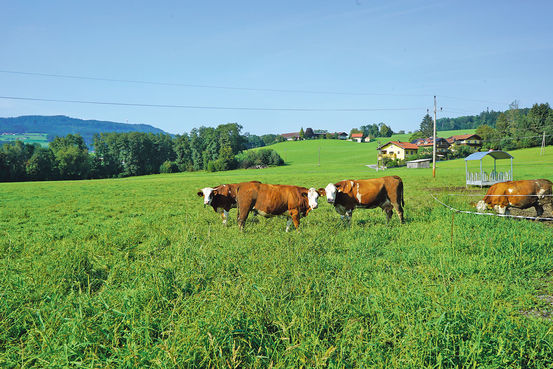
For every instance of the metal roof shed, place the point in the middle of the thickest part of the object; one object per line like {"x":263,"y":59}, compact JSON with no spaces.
{"x":482,"y":178}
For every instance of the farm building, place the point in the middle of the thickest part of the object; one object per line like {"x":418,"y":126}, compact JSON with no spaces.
{"x":342,"y":135}
{"x":471,"y":140}
{"x":442,"y":145}
{"x":483,"y":178}
{"x":357,"y":137}
{"x":419,"y":163}
{"x":293,"y":136}
{"x":397,"y":150}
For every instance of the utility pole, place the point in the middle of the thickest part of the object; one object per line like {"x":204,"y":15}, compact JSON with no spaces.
{"x":542,"y":149}
{"x":319,"y":156}
{"x":434,"y":143}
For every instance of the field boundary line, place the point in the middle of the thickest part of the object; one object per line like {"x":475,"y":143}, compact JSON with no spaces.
{"x":490,"y":214}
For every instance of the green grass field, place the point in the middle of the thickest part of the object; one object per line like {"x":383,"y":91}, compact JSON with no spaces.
{"x":28,"y":138}
{"x":136,"y":272}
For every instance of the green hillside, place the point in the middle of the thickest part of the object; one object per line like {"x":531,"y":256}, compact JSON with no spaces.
{"x":337,"y":152}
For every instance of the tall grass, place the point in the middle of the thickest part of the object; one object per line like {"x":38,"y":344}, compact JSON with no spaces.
{"x":136,"y":272}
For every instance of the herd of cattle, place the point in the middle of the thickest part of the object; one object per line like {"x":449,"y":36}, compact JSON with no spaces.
{"x":294,"y":202}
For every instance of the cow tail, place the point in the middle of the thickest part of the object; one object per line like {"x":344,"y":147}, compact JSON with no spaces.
{"x":400,"y":192}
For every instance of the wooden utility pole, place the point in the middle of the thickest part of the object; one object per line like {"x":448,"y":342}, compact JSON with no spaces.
{"x":434,"y":143}
{"x":319,"y":156}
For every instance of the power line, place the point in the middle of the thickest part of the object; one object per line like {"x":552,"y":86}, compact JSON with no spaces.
{"x":202,"y":107}
{"x":67,"y":76}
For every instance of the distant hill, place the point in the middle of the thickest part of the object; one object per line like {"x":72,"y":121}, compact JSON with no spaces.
{"x":61,"y":125}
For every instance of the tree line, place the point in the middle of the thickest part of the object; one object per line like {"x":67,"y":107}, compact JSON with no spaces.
{"x":374,"y":130}
{"x":132,"y":154}
{"x":519,"y":128}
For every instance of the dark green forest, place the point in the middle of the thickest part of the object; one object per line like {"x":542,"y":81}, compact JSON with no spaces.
{"x":471,"y":121}
{"x":132,"y":154}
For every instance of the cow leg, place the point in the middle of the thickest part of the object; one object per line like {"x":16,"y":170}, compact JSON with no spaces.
{"x":225,"y":217}
{"x":288,"y":224}
{"x":295,"y":218}
{"x":399,"y":211}
{"x":244,"y":209}
{"x":539,"y":210}
{"x":389,"y":214}
{"x":347,"y":217}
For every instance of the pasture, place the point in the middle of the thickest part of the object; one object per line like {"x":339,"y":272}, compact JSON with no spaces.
{"x":28,"y":138}
{"x":135,"y":272}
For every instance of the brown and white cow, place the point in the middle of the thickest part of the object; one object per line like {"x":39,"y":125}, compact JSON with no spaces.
{"x":271,"y":200}
{"x":517,"y":194}
{"x":384,"y":192}
{"x":222,"y":198}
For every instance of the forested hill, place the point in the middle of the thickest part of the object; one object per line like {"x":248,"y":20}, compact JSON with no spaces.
{"x":471,"y":121}
{"x":61,"y":125}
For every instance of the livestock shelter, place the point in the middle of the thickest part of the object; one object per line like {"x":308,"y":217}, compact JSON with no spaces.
{"x":483,"y":178}
{"x":419,"y":163}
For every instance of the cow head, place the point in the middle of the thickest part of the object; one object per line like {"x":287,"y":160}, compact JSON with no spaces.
{"x":313,"y":197}
{"x":207,"y":194}
{"x":481,"y":206}
{"x":330,"y":191}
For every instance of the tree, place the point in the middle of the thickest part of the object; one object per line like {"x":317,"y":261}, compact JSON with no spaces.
{"x":42,"y":165}
{"x":427,"y":126}
{"x":385,"y":131}
{"x":302,"y":134}
{"x":309,"y":133}
{"x":416,"y":135}
{"x":183,"y":152}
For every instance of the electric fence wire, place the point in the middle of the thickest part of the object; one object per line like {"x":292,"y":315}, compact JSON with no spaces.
{"x":489,"y":214}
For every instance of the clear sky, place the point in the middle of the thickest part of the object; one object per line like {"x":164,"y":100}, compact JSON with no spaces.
{"x":343,"y":63}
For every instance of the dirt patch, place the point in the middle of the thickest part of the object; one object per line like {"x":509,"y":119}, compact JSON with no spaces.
{"x":457,"y":189}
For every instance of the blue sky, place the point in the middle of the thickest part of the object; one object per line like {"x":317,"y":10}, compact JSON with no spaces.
{"x":382,"y":59}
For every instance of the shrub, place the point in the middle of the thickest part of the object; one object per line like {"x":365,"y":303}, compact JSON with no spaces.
{"x":262,"y":157}
{"x":169,"y":167}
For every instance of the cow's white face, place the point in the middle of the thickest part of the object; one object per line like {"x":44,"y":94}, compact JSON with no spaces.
{"x":330,"y":191}
{"x":313,"y":197}
{"x":481,"y":206}
{"x":208,"y":195}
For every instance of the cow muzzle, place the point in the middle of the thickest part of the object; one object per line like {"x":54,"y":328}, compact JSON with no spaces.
{"x":330,"y":201}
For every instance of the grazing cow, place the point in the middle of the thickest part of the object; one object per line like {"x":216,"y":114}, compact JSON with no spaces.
{"x":271,"y":200}
{"x":385,"y":192}
{"x":222,"y":198}
{"x":517,"y":194}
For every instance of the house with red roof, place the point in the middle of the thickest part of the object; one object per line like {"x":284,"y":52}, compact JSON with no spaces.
{"x":357,"y":137}
{"x":471,"y":140}
{"x":293,"y":136}
{"x":397,"y":150}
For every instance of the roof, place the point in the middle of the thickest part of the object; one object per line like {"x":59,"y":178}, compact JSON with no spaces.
{"x":428,"y":141}
{"x":496,"y":154}
{"x":293,"y":134}
{"x":419,"y":160}
{"x":403,"y":145}
{"x":356,"y":135}
{"x":462,"y":137}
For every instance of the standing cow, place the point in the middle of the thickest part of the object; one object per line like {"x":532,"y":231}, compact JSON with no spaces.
{"x":385,"y":192}
{"x":517,"y":194}
{"x":271,"y":200}
{"x":222,"y":198}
